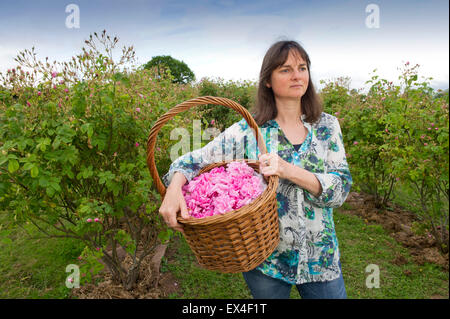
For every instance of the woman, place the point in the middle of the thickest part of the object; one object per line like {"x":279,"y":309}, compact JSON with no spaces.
{"x":307,"y":153}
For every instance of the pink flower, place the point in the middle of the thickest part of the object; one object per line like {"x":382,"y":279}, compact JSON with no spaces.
{"x":429,"y":128}
{"x":337,"y":113}
{"x":96,"y":220}
{"x":70,"y":279}
{"x":66,"y":90}
{"x":355,"y":143}
{"x":54,"y":74}
{"x":138,"y":109}
{"x":436,"y":128}
{"x":422,"y":137}
{"x":28,"y":103}
{"x":97,"y":248}
{"x":212,"y":122}
{"x":115,"y":154}
{"x":425,"y":144}
{"x":79,"y":258}
{"x":407,"y":63}
{"x":432,"y":124}
{"x":136,"y":144}
{"x":89,"y":220}
{"x":386,"y":130}
{"x":39,"y":93}
{"x":222,"y":190}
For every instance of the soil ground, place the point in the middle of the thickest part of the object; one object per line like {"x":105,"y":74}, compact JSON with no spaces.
{"x":399,"y":224}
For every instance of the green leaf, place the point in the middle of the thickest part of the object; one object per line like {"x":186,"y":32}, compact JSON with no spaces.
{"x":34,"y":171}
{"x":50,"y":191}
{"x":56,"y":143}
{"x":55,"y":186}
{"x":87,"y":128}
{"x":28,"y":166}
{"x":43,"y":181}
{"x":13,"y":166}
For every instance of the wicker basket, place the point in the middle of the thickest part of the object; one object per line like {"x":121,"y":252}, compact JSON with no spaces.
{"x":236,"y":241}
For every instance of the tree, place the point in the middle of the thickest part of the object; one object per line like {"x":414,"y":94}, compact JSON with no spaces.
{"x":179,"y":70}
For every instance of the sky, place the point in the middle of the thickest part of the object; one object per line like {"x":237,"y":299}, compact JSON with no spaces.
{"x":228,"y":38}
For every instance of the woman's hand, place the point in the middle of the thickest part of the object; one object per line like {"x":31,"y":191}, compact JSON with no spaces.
{"x":272,"y":164}
{"x":173,"y":203}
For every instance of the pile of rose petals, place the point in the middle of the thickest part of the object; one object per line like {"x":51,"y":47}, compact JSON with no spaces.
{"x":222,"y":190}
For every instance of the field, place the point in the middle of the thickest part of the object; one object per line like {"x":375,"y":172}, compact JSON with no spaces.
{"x":76,"y":190}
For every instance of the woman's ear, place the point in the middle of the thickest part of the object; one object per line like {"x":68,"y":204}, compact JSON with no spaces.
{"x":268,"y":85}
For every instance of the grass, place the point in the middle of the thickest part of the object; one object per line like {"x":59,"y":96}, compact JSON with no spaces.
{"x":34,"y":268}
{"x":361,"y":245}
{"x":198,"y":283}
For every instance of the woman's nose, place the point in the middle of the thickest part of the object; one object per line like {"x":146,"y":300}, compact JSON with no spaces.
{"x":296,"y":74}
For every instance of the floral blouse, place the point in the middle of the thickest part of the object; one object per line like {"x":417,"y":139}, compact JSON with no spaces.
{"x":308,"y":250}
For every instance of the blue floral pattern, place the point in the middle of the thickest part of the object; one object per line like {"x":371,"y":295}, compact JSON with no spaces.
{"x":308,"y":249}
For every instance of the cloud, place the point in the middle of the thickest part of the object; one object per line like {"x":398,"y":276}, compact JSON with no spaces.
{"x":227,"y":38}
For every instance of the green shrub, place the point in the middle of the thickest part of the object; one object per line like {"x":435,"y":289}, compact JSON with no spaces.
{"x":73,"y":156}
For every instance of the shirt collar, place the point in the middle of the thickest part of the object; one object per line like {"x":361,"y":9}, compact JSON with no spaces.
{"x":273,"y":123}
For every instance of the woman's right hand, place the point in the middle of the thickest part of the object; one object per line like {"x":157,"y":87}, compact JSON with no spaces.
{"x":173,"y":203}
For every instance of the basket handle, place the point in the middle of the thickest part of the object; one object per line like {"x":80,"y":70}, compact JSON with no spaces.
{"x":151,"y":142}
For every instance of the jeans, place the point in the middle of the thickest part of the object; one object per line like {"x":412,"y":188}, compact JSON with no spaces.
{"x":265,"y":287}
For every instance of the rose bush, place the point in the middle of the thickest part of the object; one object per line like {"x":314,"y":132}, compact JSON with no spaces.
{"x":397,"y":135}
{"x":72,"y":151}
{"x":242,"y":92}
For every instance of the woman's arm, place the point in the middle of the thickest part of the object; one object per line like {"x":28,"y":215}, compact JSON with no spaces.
{"x":337,"y":180}
{"x":303,"y":178}
{"x":329,"y":189}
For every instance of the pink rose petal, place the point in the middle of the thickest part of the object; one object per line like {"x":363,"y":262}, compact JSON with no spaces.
{"x":222,"y":190}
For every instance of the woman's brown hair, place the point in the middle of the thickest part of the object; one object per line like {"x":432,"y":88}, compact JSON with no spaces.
{"x":265,"y":108}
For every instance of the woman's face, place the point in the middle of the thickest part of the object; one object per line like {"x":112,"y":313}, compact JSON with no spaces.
{"x":290,"y":80}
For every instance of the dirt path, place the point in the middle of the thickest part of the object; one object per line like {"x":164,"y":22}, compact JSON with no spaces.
{"x":398,"y":223}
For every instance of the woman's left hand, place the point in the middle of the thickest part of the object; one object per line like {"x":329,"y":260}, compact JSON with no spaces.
{"x":272,"y":164}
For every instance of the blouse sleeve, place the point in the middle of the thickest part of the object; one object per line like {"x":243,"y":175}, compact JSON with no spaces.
{"x":228,"y":145}
{"x":337,"y":180}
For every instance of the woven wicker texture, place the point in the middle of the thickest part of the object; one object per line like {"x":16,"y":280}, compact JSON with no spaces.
{"x":236,"y":241}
